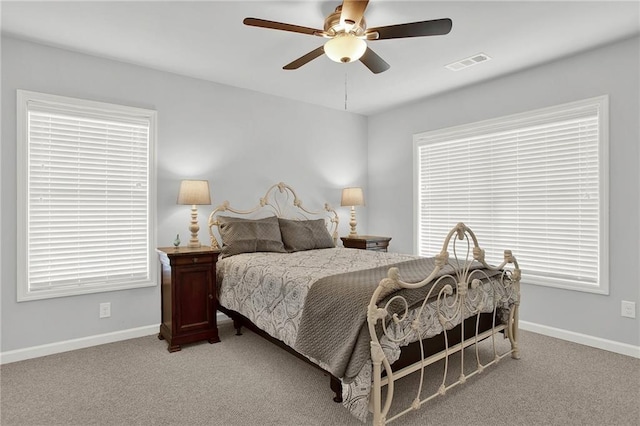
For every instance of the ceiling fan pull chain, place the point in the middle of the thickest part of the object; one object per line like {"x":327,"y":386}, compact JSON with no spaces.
{"x":345,"y":91}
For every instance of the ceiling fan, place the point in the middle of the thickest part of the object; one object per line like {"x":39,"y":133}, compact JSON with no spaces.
{"x":348,"y":34}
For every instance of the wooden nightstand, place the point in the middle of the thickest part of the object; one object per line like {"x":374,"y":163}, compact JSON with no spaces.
{"x":189,"y":299}
{"x":366,"y":242}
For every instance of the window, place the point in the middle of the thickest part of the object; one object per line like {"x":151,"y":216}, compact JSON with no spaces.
{"x":535,"y":183}
{"x":86,"y":191}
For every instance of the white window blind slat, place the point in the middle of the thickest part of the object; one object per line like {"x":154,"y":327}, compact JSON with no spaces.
{"x":532,"y":183}
{"x":88,"y":196}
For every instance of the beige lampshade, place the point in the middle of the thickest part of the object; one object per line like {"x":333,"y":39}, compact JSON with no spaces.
{"x":352,"y":197}
{"x":194,"y":192}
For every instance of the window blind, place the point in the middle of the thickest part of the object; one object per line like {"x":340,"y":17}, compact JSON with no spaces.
{"x":88,"y":200}
{"x":530,"y":183}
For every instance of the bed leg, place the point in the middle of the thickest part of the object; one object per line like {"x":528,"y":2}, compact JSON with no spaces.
{"x":336,"y":387}
{"x":238,"y":326}
{"x":513,"y":332}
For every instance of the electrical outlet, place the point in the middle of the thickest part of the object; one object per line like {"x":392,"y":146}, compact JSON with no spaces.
{"x":105,"y":310}
{"x":628,"y":309}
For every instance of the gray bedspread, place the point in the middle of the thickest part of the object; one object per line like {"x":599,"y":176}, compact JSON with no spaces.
{"x":333,"y":324}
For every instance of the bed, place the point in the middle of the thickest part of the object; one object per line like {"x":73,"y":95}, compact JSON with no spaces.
{"x":366,"y":318}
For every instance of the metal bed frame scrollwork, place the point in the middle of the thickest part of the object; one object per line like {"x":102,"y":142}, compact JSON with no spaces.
{"x":457,"y":300}
{"x":279,"y":200}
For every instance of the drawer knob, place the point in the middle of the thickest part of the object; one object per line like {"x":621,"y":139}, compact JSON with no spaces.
{"x":195,"y":260}
{"x":211,"y":296}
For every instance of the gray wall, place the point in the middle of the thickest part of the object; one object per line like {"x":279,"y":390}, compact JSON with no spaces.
{"x":613,"y":70}
{"x":241,"y":141}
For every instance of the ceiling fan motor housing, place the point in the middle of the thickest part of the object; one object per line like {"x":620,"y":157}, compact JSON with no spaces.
{"x":332,"y":25}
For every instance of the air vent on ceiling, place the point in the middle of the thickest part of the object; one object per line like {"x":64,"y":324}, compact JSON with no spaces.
{"x":468,"y":62}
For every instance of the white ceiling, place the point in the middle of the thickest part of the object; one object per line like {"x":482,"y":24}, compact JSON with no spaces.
{"x":207,"y":40}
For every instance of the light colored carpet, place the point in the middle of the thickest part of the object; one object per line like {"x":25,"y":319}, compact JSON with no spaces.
{"x":245,"y":380}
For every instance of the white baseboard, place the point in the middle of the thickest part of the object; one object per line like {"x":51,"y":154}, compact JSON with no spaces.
{"x":70,"y":345}
{"x":101,"y":339}
{"x":583,"y":339}
{"x":85,"y":342}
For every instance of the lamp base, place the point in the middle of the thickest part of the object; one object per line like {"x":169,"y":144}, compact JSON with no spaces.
{"x":194,"y":228}
{"x":353,"y":223}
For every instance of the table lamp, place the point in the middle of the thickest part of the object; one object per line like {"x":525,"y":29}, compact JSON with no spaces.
{"x":352,"y":197}
{"x":194,"y":192}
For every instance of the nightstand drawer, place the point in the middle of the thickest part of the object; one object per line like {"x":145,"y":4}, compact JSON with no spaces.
{"x":366,"y":242}
{"x":377,"y":245}
{"x":192,"y":260}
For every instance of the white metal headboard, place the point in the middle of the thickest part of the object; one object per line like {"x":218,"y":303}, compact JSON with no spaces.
{"x":280,"y":200}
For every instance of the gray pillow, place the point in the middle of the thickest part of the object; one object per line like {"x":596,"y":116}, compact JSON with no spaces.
{"x":249,"y":235}
{"x":298,"y":235}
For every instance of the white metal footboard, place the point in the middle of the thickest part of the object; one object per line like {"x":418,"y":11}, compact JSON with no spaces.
{"x":467,"y":299}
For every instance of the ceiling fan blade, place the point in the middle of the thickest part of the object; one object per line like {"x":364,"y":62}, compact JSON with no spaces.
{"x":353,"y":11}
{"x":263,"y":23}
{"x":304,"y":59}
{"x":374,"y":62}
{"x":413,"y":29}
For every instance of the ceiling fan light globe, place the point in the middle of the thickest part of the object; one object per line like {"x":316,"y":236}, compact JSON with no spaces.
{"x":345,"y":47}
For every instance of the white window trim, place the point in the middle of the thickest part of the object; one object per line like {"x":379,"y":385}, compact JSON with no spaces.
{"x":24,"y":293}
{"x":497,"y":124}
